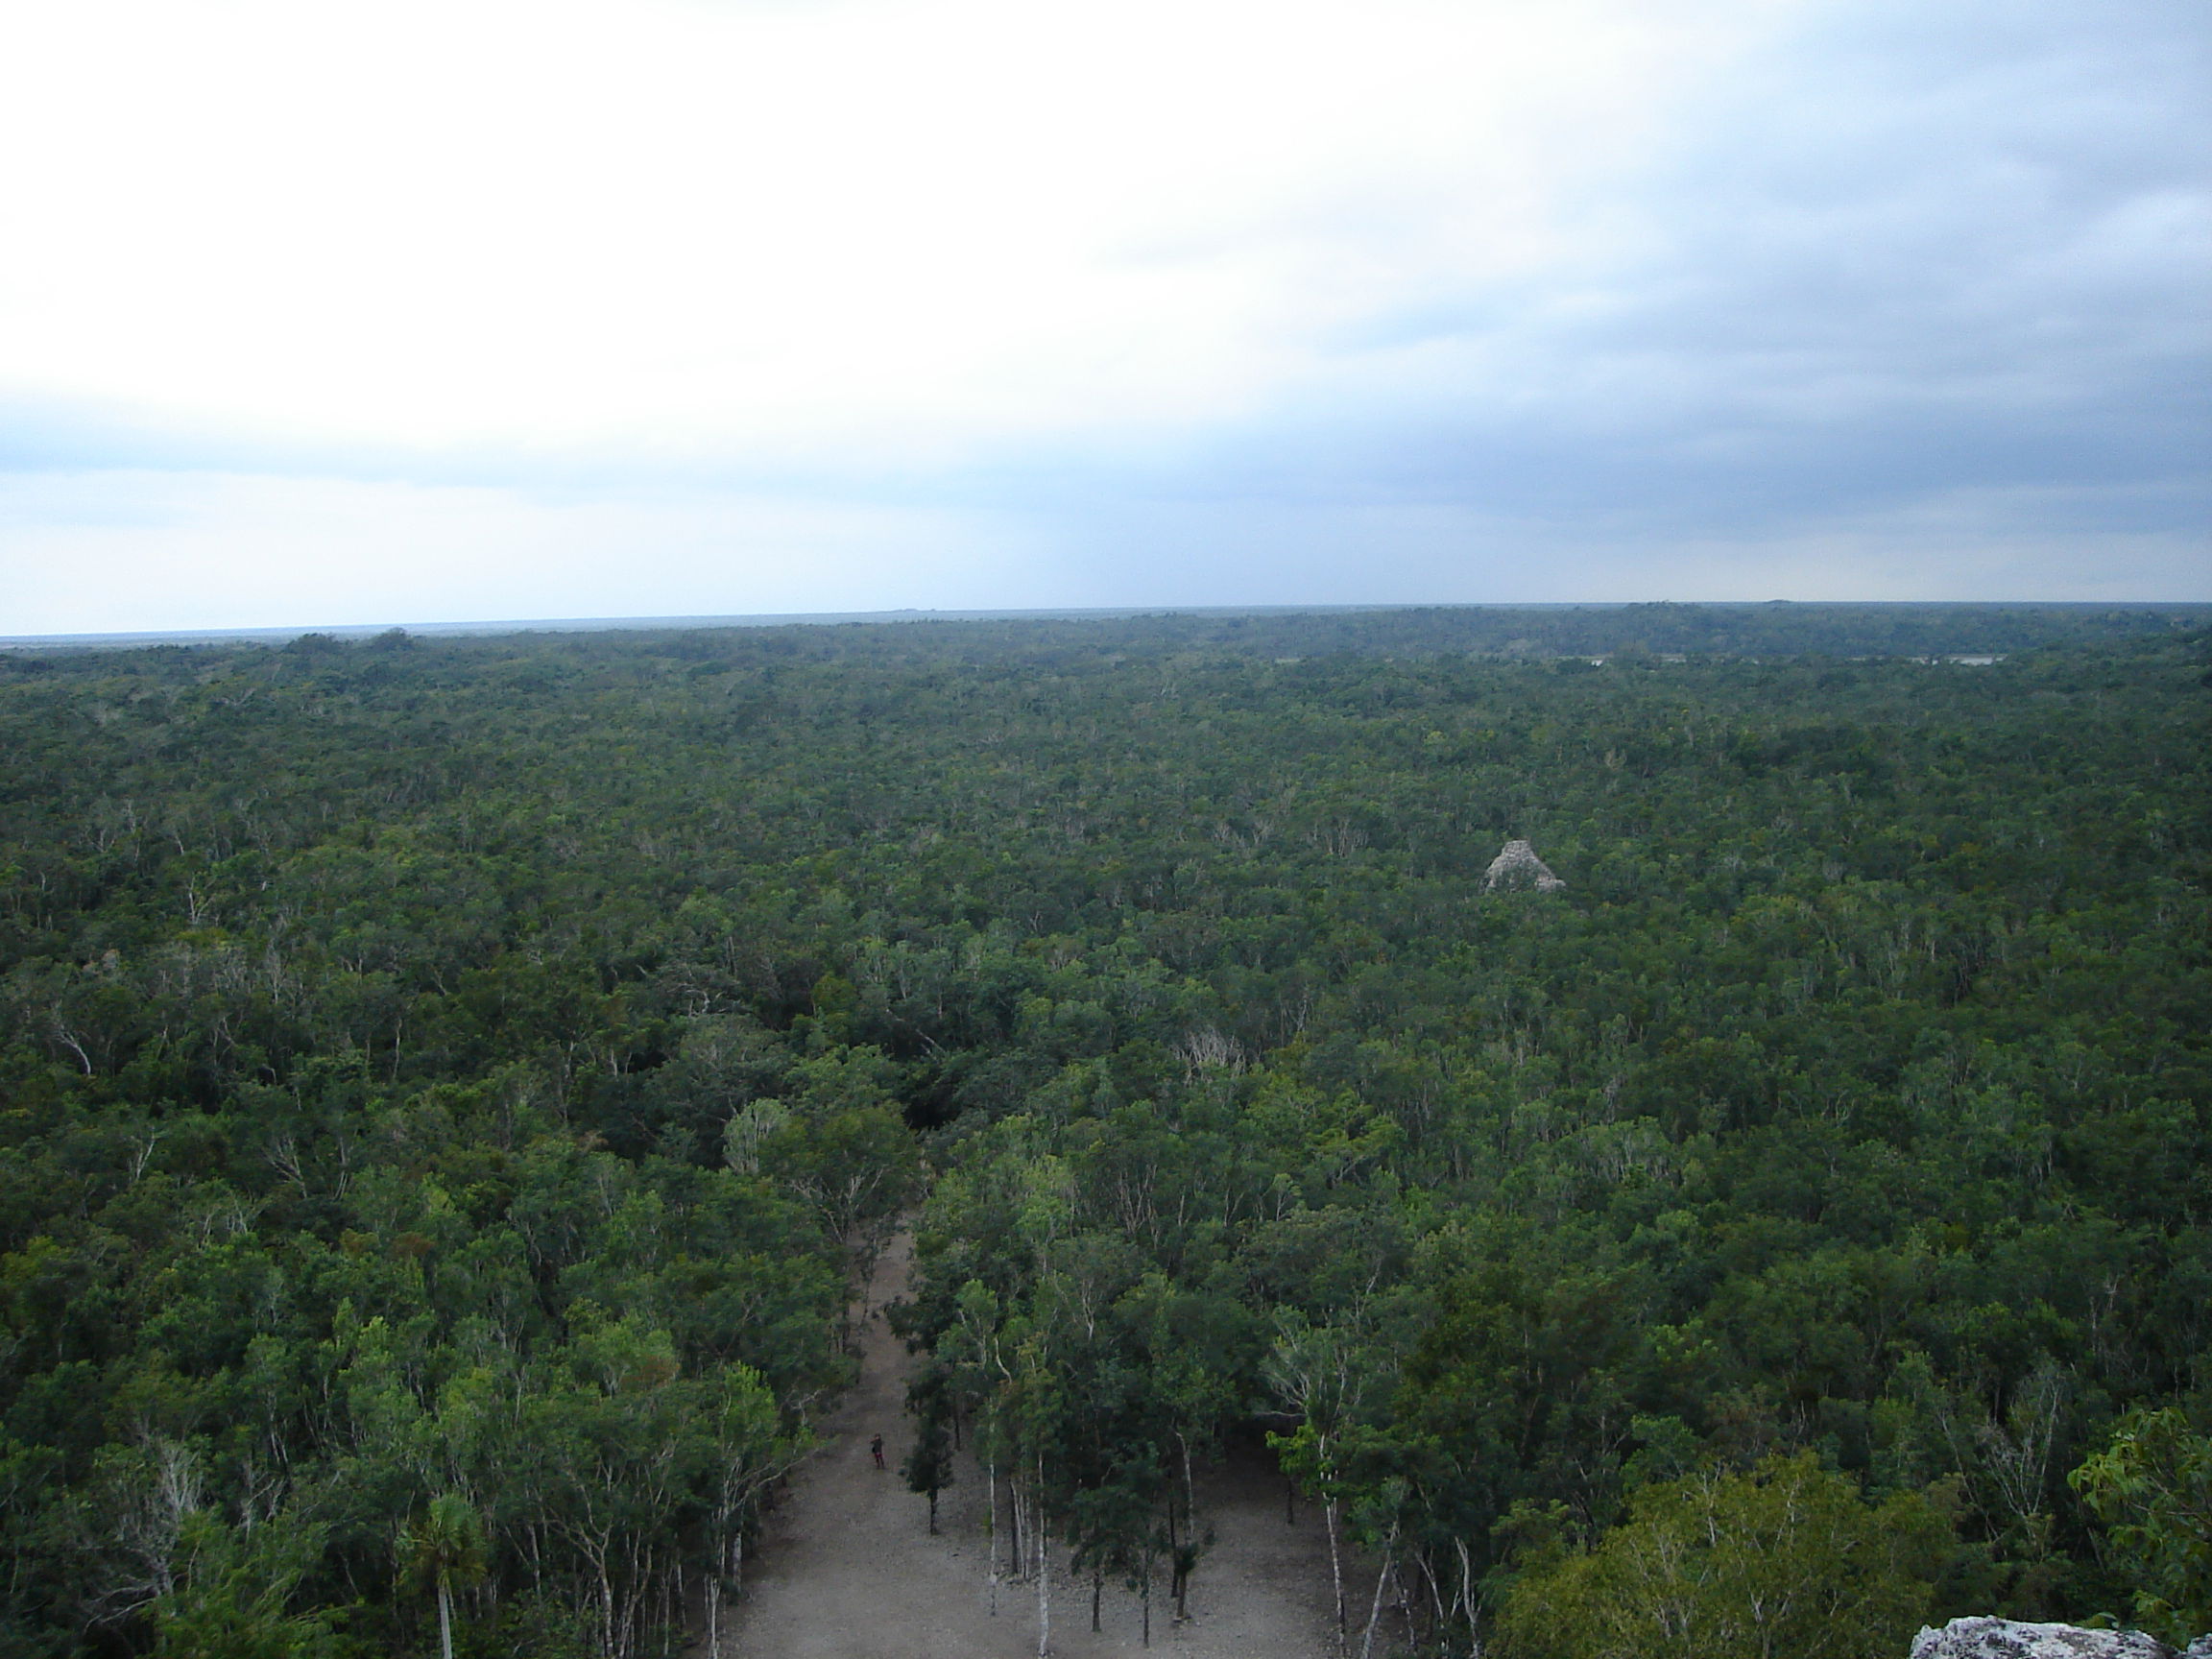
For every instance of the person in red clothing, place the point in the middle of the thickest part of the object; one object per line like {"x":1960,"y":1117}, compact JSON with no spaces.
{"x":876,"y":1451}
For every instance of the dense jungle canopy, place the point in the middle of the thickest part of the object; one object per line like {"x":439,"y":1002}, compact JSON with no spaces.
{"x":447,"y":1088}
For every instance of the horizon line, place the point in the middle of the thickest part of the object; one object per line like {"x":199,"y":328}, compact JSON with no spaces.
{"x":491,"y":627}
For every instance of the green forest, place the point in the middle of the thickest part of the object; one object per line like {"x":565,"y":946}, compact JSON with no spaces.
{"x":453,"y":1088}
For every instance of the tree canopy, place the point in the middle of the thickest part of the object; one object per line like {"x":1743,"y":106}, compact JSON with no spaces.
{"x":476,"y":1072}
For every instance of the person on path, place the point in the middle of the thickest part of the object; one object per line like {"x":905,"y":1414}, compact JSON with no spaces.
{"x":876,"y":1451}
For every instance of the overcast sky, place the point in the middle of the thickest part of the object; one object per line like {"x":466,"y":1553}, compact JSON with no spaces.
{"x":332,"y":313}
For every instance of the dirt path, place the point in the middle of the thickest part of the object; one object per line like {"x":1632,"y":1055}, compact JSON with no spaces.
{"x":849,"y":1569}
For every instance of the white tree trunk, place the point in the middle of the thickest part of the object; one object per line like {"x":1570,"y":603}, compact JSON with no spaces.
{"x":1336,"y":1570}
{"x":1044,"y":1567}
{"x":1375,"y":1607}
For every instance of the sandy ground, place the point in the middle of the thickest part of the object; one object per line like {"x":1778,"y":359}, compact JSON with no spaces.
{"x":849,"y":1569}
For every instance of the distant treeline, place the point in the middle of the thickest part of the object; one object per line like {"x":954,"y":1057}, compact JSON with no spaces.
{"x":1777,"y":629}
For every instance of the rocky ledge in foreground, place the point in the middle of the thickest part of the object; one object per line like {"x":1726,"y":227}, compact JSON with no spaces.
{"x":2004,"y":1639}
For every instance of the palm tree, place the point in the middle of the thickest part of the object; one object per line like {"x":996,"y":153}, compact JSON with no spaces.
{"x":447,"y":1547}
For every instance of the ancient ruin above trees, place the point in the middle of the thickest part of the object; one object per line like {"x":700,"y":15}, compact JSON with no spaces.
{"x":1517,"y":867}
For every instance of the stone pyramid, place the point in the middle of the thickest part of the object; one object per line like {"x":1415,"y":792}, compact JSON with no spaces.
{"x":1517,"y":867}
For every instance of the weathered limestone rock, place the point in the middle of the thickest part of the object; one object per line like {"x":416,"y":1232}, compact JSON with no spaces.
{"x":2004,"y":1639}
{"x":1517,"y":866}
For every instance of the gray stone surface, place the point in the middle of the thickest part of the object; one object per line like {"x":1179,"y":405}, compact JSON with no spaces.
{"x":1517,"y":866}
{"x":2005,"y":1638}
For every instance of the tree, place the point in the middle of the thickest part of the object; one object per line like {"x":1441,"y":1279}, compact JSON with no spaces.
{"x":234,"y":1591}
{"x":1324,"y":1373}
{"x":750,"y":1452}
{"x":2152,"y":1486}
{"x":1116,"y":1531}
{"x":1784,"y":1562}
{"x":928,"y":1465}
{"x":856,"y":1168}
{"x":446,"y":1547}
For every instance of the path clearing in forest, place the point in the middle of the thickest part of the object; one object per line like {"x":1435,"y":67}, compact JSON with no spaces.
{"x":849,"y":1571}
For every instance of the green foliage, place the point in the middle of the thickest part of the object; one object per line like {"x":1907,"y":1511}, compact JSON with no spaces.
{"x":232,"y":1591}
{"x":1783,"y":1562}
{"x":446,"y":1547}
{"x":482,"y":1069}
{"x":928,"y":1469}
{"x":2152,"y":1486}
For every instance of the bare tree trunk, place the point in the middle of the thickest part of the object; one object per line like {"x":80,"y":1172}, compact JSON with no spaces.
{"x":990,"y":1531}
{"x":1043,"y":1565}
{"x":1190,"y":1491}
{"x":1436,"y":1610}
{"x":445,"y":1618}
{"x":1375,"y":1607}
{"x":1336,"y":1570}
{"x":1172,"y":1537}
{"x":1465,"y":1600}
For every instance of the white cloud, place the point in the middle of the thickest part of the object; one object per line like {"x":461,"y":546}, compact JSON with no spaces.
{"x":886,"y":228}
{"x":660,"y":308}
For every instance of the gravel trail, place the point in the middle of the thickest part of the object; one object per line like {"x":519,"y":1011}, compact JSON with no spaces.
{"x":849,"y":1569}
